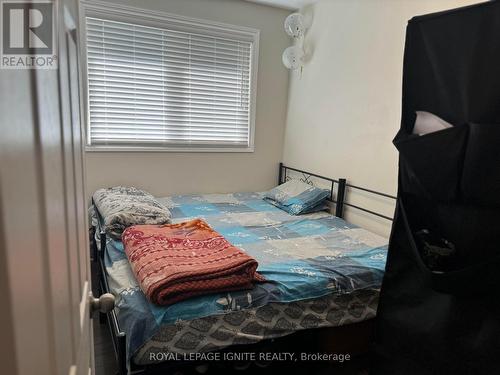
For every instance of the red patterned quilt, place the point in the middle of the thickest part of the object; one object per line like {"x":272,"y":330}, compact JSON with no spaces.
{"x":174,"y":262}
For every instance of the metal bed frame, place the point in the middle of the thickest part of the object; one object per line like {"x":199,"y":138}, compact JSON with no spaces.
{"x":338,"y":189}
{"x":338,"y":199}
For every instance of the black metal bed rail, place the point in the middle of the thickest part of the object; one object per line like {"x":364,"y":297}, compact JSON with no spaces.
{"x":384,"y":195}
{"x":369,"y":211}
{"x":371,"y":191}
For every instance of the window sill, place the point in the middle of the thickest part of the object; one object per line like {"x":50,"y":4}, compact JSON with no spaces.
{"x":169,"y":149}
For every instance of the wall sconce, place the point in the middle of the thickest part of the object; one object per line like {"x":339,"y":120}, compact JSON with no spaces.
{"x":293,"y":57}
{"x":296,"y":25}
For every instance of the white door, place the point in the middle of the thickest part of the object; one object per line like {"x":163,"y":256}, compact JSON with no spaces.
{"x":44,"y":262}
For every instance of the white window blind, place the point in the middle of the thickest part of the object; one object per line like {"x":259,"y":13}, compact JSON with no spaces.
{"x":156,"y":87}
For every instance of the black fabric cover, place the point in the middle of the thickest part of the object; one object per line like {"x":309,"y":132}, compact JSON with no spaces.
{"x":449,"y":183}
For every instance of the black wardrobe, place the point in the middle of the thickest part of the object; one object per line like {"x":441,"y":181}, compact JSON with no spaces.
{"x":445,"y":318}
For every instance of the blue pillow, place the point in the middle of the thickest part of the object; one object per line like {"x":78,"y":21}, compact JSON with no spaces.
{"x":297,"y":197}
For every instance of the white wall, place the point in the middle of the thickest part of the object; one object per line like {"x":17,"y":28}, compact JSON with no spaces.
{"x":344,"y":110}
{"x":164,"y":173}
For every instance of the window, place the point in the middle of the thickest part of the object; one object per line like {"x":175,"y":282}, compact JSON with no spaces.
{"x":187,"y":85}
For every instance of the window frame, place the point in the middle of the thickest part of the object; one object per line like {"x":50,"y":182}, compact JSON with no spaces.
{"x":159,"y":19}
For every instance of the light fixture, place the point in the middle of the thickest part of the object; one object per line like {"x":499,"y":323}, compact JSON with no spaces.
{"x":293,"y":57}
{"x":296,"y":25}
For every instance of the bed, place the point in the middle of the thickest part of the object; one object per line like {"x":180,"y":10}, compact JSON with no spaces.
{"x":321,"y":272}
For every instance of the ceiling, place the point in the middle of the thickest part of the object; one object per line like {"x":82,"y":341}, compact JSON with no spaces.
{"x":286,"y":4}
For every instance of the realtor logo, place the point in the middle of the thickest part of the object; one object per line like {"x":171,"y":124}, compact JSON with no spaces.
{"x":28,"y":35}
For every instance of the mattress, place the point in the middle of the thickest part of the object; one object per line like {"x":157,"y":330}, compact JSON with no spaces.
{"x":321,"y":272}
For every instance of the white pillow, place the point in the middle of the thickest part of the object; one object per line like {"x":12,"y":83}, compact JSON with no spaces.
{"x":429,"y":123}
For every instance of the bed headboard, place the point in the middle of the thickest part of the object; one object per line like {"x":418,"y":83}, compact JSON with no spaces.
{"x":338,"y":189}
